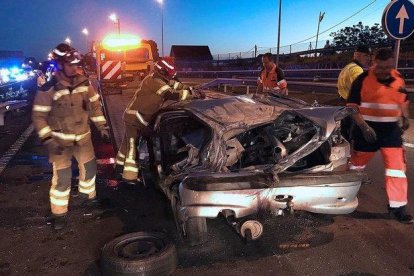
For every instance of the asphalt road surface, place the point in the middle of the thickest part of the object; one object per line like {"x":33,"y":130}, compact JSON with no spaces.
{"x":365,"y":242}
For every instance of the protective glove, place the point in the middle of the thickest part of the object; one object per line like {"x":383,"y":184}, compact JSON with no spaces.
{"x":197,"y":93}
{"x":104,"y":132}
{"x":369,"y":134}
{"x":53,"y":147}
{"x":405,"y":124}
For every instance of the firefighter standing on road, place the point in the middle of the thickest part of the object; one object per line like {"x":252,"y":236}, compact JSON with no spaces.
{"x":155,"y":89}
{"x":272,"y":78}
{"x":61,"y":113}
{"x":361,"y":59}
{"x":383,"y":114}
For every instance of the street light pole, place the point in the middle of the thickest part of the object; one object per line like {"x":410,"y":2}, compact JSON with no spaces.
{"x":278,"y":33}
{"x":321,"y":15}
{"x":86,"y":33}
{"x":161,"y":3}
{"x":162,"y":30}
{"x":117,"y":21}
{"x":119,"y":26}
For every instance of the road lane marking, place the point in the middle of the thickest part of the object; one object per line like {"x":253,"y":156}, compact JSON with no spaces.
{"x":11,"y":152}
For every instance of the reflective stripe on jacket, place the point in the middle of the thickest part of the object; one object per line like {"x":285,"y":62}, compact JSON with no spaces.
{"x":272,"y":80}
{"x":380,"y":102}
{"x":149,"y":98}
{"x":62,"y":111}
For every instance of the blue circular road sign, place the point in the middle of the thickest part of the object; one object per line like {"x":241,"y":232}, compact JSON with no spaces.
{"x":398,"y":19}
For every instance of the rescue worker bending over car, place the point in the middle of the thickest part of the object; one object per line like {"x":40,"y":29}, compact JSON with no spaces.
{"x":155,"y":89}
{"x":61,"y":113}
{"x":379,"y":96}
{"x":272,"y":78}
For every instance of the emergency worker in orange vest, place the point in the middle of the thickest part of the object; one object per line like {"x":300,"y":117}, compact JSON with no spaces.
{"x":271,"y":78}
{"x":379,"y":96}
{"x":62,"y":110}
{"x":156,"y":88}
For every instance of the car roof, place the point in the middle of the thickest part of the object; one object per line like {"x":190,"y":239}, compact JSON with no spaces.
{"x":228,"y":110}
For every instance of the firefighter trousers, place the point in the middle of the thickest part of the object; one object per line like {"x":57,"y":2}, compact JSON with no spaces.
{"x":126,"y":161}
{"x":395,"y":167}
{"x":62,"y":175}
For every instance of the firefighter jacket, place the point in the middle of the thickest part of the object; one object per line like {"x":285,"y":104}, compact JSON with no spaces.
{"x":378,"y":101}
{"x":347,"y":76}
{"x":149,"y":98}
{"x":273,"y":80}
{"x":62,"y":110}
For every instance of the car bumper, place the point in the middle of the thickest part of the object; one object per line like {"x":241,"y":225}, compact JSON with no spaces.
{"x":316,"y":195}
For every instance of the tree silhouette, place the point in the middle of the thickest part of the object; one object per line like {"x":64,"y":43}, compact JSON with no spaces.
{"x":360,"y":34}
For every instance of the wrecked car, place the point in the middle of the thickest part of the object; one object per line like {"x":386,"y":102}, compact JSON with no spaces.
{"x":241,"y":155}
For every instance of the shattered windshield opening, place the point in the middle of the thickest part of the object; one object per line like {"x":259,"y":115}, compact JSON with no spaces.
{"x":270,"y":143}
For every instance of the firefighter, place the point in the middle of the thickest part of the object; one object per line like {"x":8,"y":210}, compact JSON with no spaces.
{"x":271,"y":78}
{"x":361,"y":59}
{"x":155,"y":89}
{"x":379,"y":96}
{"x":61,"y":113}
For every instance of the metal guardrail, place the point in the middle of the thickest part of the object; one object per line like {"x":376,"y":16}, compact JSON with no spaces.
{"x":291,"y":74}
{"x":401,"y":70}
{"x":253,"y":82}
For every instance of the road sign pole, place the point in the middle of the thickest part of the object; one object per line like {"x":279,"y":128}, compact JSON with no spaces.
{"x":397,"y":52}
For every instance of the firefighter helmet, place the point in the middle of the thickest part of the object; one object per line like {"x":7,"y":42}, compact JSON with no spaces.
{"x":66,"y":54}
{"x":165,"y":69}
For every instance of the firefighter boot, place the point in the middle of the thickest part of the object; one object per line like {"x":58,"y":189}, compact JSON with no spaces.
{"x":400,"y":214}
{"x":118,"y":172}
{"x":133,"y":184}
{"x":58,"y":222}
{"x":91,"y":204}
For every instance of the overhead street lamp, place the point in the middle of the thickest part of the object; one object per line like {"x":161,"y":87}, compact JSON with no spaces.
{"x":161,"y":3}
{"x":278,"y":33}
{"x":321,"y":15}
{"x":86,"y":33}
{"x":68,"y":41}
{"x":116,"y":20}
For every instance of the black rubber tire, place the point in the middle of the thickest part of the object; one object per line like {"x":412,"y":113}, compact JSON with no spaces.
{"x":162,"y":262}
{"x":196,"y":231}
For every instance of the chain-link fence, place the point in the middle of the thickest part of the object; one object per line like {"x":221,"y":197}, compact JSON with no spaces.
{"x":296,"y":56}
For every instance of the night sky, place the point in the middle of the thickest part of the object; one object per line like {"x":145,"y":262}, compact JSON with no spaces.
{"x":36,"y":26}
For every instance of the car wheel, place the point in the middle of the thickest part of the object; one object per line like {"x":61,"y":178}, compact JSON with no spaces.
{"x":139,"y":253}
{"x":196,"y":230}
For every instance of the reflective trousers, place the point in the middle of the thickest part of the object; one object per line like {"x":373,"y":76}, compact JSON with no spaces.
{"x":126,"y":158}
{"x":395,"y":167}
{"x":62,"y":175}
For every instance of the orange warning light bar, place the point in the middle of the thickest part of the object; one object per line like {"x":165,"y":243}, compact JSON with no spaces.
{"x":121,"y":42}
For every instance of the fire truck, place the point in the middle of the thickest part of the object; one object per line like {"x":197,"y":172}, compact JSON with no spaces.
{"x":123,"y":60}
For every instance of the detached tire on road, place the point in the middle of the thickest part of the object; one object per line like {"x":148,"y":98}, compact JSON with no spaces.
{"x":139,"y":253}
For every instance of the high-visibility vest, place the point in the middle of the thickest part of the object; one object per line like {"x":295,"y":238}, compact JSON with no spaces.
{"x":347,"y":76}
{"x":271,"y":80}
{"x":380,"y":102}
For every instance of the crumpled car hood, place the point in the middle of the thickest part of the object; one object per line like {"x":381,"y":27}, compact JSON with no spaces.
{"x":230,"y":110}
